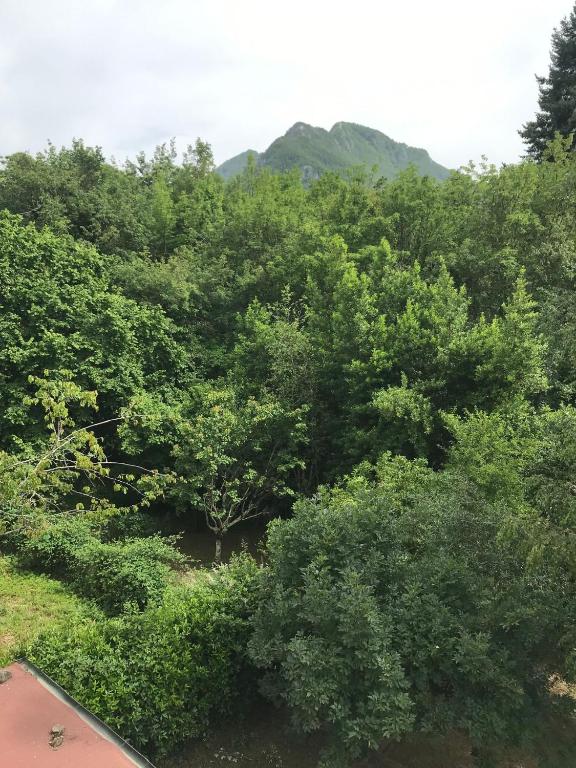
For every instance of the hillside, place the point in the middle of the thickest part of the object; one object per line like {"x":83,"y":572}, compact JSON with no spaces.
{"x":236,"y":164}
{"x":316,"y":150}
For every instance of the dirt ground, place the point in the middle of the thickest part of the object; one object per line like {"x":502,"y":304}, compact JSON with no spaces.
{"x":264,"y":741}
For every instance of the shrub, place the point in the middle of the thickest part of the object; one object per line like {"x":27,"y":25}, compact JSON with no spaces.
{"x":54,"y":549}
{"x":128,"y":525}
{"x":114,"y":574}
{"x":384,"y":613}
{"x":135,"y":571}
{"x":12,"y":533}
{"x":158,"y":677}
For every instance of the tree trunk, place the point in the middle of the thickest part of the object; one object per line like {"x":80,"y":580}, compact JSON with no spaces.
{"x":218,"y":552}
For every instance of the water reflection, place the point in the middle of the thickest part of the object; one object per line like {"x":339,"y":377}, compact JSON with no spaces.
{"x":200,"y":545}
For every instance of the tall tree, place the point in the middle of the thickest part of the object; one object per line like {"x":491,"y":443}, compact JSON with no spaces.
{"x":557,"y":99}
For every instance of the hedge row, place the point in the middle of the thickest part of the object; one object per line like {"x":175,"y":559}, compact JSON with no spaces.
{"x":115,"y":574}
{"x":159,"y":676}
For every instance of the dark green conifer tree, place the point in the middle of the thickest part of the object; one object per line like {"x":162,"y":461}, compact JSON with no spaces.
{"x":557,"y":98}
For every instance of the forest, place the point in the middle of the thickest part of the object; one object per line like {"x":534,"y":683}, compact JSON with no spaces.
{"x":379,"y":372}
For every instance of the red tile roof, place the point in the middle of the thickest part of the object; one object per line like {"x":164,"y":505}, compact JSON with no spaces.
{"x":30,"y":705}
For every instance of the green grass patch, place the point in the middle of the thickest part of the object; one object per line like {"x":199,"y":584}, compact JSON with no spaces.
{"x":30,"y":604}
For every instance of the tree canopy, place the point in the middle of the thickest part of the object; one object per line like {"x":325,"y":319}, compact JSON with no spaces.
{"x":557,"y":93}
{"x":386,"y":367}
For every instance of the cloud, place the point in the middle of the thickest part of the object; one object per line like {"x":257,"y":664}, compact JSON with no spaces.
{"x":454,"y":77}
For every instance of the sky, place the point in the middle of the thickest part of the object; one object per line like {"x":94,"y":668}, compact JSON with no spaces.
{"x":453,"y":76}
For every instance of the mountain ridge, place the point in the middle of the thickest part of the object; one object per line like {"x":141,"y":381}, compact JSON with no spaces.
{"x":315,"y":150}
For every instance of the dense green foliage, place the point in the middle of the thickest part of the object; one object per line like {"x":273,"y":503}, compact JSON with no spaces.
{"x":58,"y":311}
{"x":73,"y":543}
{"x":158,"y":677}
{"x":230,"y":452}
{"x":54,"y":549}
{"x":315,"y":151}
{"x":557,"y":99}
{"x":416,"y":600}
{"x":133,"y":572}
{"x":396,"y":355}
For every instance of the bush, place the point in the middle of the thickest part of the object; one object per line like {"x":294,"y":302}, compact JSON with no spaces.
{"x":114,"y":574}
{"x":54,"y":550}
{"x":129,"y":525}
{"x":160,"y":676}
{"x":12,"y":533}
{"x":384,"y":613}
{"x":135,"y":571}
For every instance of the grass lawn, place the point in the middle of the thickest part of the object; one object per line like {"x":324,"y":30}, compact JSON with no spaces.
{"x":30,"y":604}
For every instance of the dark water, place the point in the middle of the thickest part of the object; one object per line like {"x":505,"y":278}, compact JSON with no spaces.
{"x":200,"y":545}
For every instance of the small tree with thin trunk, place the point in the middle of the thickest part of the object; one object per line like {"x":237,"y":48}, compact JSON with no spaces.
{"x":234,"y":456}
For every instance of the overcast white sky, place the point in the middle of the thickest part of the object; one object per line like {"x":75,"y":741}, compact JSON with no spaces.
{"x":453,"y":76}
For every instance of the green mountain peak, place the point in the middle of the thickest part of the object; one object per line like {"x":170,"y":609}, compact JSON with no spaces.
{"x":315,"y":150}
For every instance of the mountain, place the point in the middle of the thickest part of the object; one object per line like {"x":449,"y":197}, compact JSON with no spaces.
{"x":315,"y":150}
{"x":236,"y":164}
